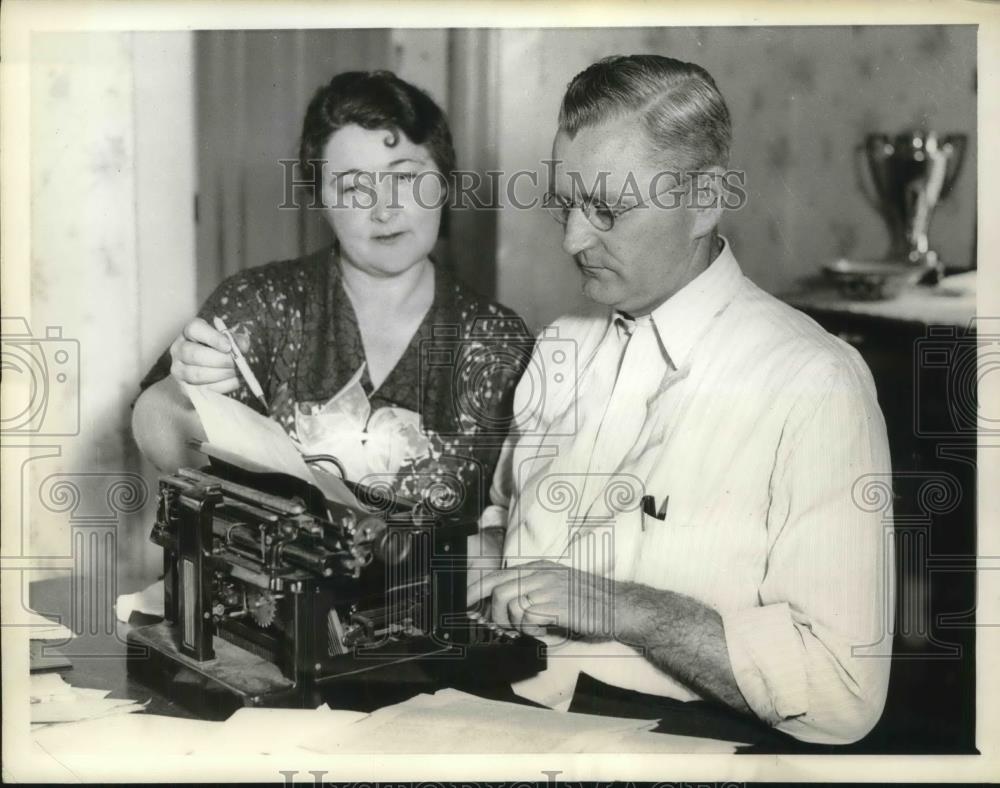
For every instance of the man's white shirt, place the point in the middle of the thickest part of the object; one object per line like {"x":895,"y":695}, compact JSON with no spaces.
{"x":760,"y":439}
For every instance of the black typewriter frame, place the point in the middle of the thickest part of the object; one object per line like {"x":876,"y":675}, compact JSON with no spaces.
{"x":214,"y":665}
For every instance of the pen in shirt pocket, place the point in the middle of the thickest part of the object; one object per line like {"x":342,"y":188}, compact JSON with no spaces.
{"x":649,"y":509}
{"x":241,"y":361}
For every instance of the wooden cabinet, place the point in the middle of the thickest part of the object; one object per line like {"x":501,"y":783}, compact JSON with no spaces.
{"x":921,"y":348}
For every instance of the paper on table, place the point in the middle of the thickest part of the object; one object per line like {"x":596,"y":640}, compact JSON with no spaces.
{"x":86,"y":692}
{"x":40,"y":767}
{"x":81,"y":709}
{"x":132,"y":733}
{"x":148,"y":601}
{"x":455,"y":722}
{"x":45,"y":687}
{"x":258,"y":731}
{"x":54,"y":700}
{"x":42,"y":633}
{"x":257,"y":440}
{"x":45,"y":684}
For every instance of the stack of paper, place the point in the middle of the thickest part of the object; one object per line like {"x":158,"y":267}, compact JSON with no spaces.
{"x":255,"y":731}
{"x":135,"y":734}
{"x":249,"y":732}
{"x":451,"y":721}
{"x":41,"y":633}
{"x":447,"y":722}
{"x":53,"y":700}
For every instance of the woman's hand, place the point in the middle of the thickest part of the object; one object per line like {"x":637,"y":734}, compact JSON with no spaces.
{"x":200,"y":356}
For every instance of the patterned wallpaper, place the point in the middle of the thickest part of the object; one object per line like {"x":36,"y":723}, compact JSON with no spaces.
{"x":83,"y":247}
{"x":801,"y":100}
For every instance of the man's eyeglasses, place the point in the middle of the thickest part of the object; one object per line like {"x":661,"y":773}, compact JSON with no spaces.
{"x":598,"y":212}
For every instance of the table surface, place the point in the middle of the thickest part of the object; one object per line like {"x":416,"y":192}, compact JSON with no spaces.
{"x":951,"y":302}
{"x":99,"y":662}
{"x":98,"y":659}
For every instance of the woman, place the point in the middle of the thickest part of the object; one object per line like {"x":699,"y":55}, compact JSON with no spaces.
{"x":366,"y":350}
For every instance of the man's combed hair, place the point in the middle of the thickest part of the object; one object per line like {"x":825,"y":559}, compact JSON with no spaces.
{"x":678,"y":104}
{"x":376,"y":100}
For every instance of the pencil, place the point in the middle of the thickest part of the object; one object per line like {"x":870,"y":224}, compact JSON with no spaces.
{"x":241,"y":362}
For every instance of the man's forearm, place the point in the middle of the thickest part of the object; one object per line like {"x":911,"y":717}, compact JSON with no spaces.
{"x":682,"y":637}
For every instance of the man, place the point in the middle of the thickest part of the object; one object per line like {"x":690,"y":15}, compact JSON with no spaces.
{"x":684,"y":510}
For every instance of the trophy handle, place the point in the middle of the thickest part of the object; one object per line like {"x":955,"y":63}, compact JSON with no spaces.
{"x":864,"y":177}
{"x":954,"y":167}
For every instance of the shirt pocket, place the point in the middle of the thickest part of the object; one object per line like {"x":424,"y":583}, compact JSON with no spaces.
{"x":628,"y":543}
{"x":680,"y":554}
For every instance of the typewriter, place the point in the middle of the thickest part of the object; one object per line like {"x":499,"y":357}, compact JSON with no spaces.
{"x":275,"y":595}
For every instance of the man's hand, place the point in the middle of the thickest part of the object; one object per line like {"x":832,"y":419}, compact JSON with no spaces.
{"x":679,"y":635}
{"x":543,"y":595}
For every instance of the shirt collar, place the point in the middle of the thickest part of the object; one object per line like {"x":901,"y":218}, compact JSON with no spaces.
{"x":682,"y":319}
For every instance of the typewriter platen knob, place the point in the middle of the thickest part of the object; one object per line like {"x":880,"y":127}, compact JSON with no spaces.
{"x":369,"y":530}
{"x":366,"y":537}
{"x":390,"y":546}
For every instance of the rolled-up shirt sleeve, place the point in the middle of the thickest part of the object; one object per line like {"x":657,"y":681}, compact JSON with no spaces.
{"x":813,"y":658}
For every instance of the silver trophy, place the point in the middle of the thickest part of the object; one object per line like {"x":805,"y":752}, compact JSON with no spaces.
{"x":909,"y":176}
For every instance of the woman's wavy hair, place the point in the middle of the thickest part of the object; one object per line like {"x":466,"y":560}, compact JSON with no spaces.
{"x":677,"y":103}
{"x":375,"y":100}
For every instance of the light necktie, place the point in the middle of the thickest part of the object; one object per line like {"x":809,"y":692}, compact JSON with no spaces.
{"x":626,"y":369}
{"x":640,"y":374}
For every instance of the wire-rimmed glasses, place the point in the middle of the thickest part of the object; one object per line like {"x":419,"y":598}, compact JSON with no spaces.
{"x":601,"y":215}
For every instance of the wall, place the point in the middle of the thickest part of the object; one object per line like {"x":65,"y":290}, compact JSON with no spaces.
{"x":252,"y":91}
{"x":112,"y":270}
{"x":800,"y":98}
